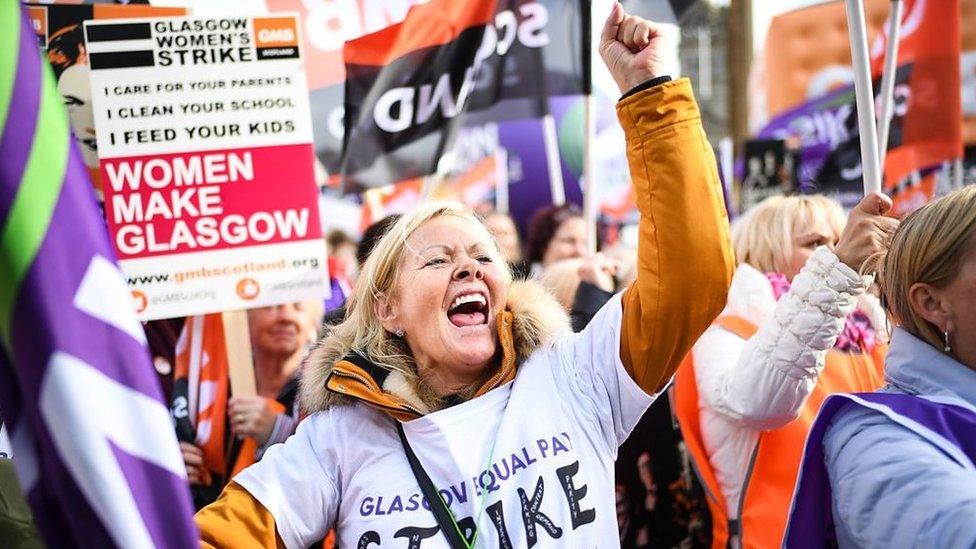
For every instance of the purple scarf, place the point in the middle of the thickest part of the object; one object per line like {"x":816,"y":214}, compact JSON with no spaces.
{"x":858,"y":333}
{"x":811,"y":523}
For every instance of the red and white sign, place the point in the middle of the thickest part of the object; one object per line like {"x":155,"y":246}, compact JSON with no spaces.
{"x":206,"y":157}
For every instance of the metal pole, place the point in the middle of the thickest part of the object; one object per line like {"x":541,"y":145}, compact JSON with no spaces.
{"x":589,"y":184}
{"x":501,"y":180}
{"x":556,"y":188}
{"x":427,"y":187}
{"x":864,"y":95}
{"x":589,"y":125}
{"x":726,"y":166}
{"x":943,"y":180}
{"x":705,"y":63}
{"x":888,"y":79}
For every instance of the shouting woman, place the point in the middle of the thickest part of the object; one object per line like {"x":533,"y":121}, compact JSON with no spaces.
{"x":453,"y":408}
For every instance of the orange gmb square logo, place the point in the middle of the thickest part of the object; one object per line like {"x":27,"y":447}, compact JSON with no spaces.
{"x":275,"y":32}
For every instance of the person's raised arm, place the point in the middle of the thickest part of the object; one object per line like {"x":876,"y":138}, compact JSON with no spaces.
{"x":684,"y":257}
{"x":778,"y":367}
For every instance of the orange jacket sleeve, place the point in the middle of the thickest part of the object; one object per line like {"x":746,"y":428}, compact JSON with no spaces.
{"x":684,"y":257}
{"x":236,"y":520}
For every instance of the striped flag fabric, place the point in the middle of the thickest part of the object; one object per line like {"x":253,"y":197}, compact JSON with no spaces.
{"x":407,"y":87}
{"x":93,"y":444}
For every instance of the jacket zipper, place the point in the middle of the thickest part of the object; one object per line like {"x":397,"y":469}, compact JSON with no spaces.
{"x":742,"y":497}
{"x":371,"y":385}
{"x":506,"y":351}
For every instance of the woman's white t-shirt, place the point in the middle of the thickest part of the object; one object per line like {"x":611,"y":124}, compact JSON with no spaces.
{"x":533,"y":458}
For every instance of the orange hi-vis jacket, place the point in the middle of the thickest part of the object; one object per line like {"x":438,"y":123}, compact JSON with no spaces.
{"x":769,"y":482}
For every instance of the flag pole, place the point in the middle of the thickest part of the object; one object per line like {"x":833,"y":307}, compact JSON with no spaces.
{"x":240,"y":361}
{"x":556,"y":188}
{"x":550,"y":143}
{"x":501,"y":180}
{"x":888,"y":79}
{"x":864,"y":95}
{"x":589,"y":186}
{"x":427,"y":187}
{"x":589,"y":126}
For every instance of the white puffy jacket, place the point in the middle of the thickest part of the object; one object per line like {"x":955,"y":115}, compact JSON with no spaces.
{"x":746,"y":387}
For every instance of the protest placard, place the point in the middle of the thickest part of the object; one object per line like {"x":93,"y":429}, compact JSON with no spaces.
{"x":206,"y":159}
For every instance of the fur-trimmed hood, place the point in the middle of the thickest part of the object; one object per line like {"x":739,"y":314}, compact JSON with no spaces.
{"x":532,"y":319}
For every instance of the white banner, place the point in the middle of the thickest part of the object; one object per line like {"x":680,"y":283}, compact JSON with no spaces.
{"x":207,"y":164}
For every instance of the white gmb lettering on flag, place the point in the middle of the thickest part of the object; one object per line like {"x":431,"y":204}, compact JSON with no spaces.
{"x":72,"y":388}
{"x":104,"y":295}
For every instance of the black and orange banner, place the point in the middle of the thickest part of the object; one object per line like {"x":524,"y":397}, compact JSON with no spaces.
{"x":929,"y":115}
{"x":926,"y":127}
{"x":411,"y":85}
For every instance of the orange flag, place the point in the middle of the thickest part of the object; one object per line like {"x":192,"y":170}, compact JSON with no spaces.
{"x":927,"y":125}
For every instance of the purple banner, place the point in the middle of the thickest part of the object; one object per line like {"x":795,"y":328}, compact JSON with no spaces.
{"x":94,"y":447}
{"x":818,"y":126}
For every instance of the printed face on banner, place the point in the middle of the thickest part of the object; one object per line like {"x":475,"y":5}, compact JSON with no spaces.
{"x":207,"y":161}
{"x":74,"y":89}
{"x":61,"y":35}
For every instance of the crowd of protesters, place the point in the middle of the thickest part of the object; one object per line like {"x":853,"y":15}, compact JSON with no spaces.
{"x":451,"y":335}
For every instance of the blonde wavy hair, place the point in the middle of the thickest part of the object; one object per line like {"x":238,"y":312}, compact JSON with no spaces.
{"x":927,"y":247}
{"x":763,"y":237}
{"x":361,"y":331}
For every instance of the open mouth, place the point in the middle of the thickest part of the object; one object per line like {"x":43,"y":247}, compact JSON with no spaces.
{"x":468,"y":310}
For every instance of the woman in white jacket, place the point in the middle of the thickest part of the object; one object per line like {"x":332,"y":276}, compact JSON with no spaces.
{"x":757,"y":376}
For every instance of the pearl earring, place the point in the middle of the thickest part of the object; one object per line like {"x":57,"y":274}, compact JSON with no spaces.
{"x":945,"y":334}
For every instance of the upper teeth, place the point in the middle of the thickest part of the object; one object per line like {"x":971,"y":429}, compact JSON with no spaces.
{"x":468,"y":298}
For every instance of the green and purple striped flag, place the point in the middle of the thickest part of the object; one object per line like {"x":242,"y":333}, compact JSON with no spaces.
{"x":93,"y":444}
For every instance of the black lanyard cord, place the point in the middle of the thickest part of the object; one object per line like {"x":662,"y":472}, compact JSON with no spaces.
{"x":441,"y":512}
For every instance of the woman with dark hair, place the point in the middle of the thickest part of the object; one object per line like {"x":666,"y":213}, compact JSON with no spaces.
{"x":65,"y":48}
{"x":555,"y":233}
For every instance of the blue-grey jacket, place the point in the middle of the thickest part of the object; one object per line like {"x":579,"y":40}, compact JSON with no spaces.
{"x":890,"y":487}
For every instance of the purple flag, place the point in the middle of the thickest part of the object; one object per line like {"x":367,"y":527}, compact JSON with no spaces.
{"x":819,"y":125}
{"x":93,"y":444}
